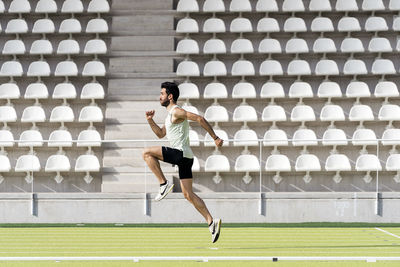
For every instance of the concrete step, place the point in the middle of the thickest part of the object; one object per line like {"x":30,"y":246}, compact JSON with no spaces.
{"x":142,"y":43}
{"x":141,"y":65}
{"x":131,"y":182}
{"x":134,"y":112}
{"x":142,"y":5}
{"x":141,"y":24}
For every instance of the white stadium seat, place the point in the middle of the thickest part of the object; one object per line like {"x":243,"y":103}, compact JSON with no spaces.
{"x":187,"y":25}
{"x":273,"y":113}
{"x":187,"y":46}
{"x":298,"y":67}
{"x":322,"y":24}
{"x":2,"y":9}
{"x":293,"y":6}
{"x":97,"y":26}
{"x":30,"y":138}
{"x":275,"y":138}
{"x":326,"y":67}
{"x":62,"y":114}
{"x":46,"y":6}
{"x":16,"y":26}
{"x":214,"y":46}
{"x":296,"y":46}
{"x":240,"y":6}
{"x":60,"y":138}
{"x":245,"y":137}
{"x":5,"y":166}
{"x":379,"y":45}
{"x":346,"y":5}
{"x":217,"y":163}
{"x":324,"y":45}
{"x":64,"y":91}
{"x":394,"y":5}
{"x":215,"y":90}
{"x":396,"y":24}
{"x":352,"y":45}
{"x":196,"y":164}
{"x":268,"y":25}
{"x":189,"y":108}
{"x":368,"y":163}
{"x":92,"y":91}
{"x":187,"y":6}
{"x":244,"y":90}
{"x":247,"y":164}
{"x":9,"y":91}
{"x":386,"y":89}
{"x":337,"y":163}
{"x":33,"y":114}
{"x":364,"y":138}
{"x":307,"y":163}
{"x":66,"y":68}
{"x":90,"y":114}
{"x":243,"y":68}
{"x":349,"y":24}
{"x":294,"y":25}
{"x":355,"y":67}
{"x":41,"y":47}
{"x":270,"y":46}
{"x":19,"y":6}
{"x":361,"y":113}
{"x":87,"y":163}
{"x":389,"y":112}
{"x":270,"y":67}
{"x":70,"y":26}
{"x":6,"y":139}
{"x":329,"y":90}
{"x":72,"y":6}
{"x":300,"y":90}
{"x":95,"y":46}
{"x":98,"y":6}
{"x":241,"y":25}
{"x":67,"y":47}
{"x":357,"y":90}
{"x":214,"y":25}
{"x":376,"y":24}
{"x":244,"y":113}
{"x":277,"y":164}
{"x":242,"y":46}
{"x":304,"y":138}
{"x":38,"y":68}
{"x":94,"y":68}
{"x":36,"y":91}
{"x":89,"y":138}
{"x":383,"y":67}
{"x":391,"y":137}
{"x":214,"y":6}
{"x":392,"y":164}
{"x":334,"y":137}
{"x":187,"y":68}
{"x":216,"y":114}
{"x":188,"y":90}
{"x":14,"y":47}
{"x":43,"y":26}
{"x":11,"y":68}
{"x":7,"y":114}
{"x":302,"y":113}
{"x":214,"y":68}
{"x":28,"y":163}
{"x":320,"y":5}
{"x":267,"y":6}
{"x":332,"y":113}
{"x":372,"y":5}
{"x":58,"y":163}
{"x":194,"y":138}
{"x":272,"y":90}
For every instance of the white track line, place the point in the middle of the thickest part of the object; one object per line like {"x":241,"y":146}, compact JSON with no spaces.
{"x":205,"y":259}
{"x":386,"y":232}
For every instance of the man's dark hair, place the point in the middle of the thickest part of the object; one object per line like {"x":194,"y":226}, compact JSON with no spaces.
{"x":171,"y":88}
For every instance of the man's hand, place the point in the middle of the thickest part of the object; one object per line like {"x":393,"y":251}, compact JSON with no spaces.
{"x":150,"y":114}
{"x":218,"y":142}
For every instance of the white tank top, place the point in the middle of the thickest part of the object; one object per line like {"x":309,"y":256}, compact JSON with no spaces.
{"x":178,"y":135}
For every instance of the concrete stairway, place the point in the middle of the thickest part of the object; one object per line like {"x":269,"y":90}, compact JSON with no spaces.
{"x":142,"y":56}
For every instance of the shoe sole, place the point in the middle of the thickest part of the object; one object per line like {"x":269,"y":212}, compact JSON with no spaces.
{"x":166,"y":193}
{"x":218,"y":231}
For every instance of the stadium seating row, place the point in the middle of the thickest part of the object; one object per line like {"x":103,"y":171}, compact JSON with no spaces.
{"x":46,"y":26}
{"x":59,"y":114}
{"x":41,"y":68}
{"x":291,"y":25}
{"x":302,"y":138}
{"x":278,"y":163}
{"x":55,"y":163}
{"x":296,"y":67}
{"x":271,"y":46}
{"x":274,"y":90}
{"x":62,"y":91}
{"x":45,"y":47}
{"x":214,"y":6}
{"x":50,"y":6}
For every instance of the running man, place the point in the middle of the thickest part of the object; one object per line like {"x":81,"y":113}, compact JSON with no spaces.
{"x":176,"y":129}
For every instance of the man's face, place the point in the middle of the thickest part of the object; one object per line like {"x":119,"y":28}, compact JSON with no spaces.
{"x":164,"y":100}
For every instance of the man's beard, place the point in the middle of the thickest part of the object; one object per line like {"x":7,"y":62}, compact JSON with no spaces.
{"x":165,"y":103}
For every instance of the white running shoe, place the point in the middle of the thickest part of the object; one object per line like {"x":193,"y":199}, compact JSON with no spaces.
{"x":164,"y":190}
{"x":215,"y":229}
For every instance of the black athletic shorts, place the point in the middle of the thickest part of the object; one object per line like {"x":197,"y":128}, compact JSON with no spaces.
{"x":175,"y":156}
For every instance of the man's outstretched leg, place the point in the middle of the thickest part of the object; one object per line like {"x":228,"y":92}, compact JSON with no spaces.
{"x":198,"y":203}
{"x":151,"y":156}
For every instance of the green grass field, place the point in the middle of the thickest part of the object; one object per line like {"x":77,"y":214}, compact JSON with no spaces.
{"x":195,"y":241}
